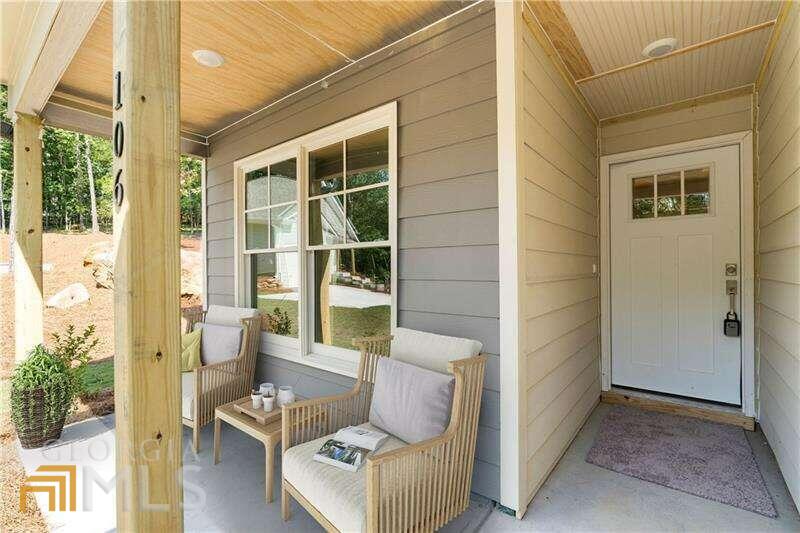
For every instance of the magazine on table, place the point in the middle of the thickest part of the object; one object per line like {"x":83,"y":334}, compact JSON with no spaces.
{"x":349,"y":447}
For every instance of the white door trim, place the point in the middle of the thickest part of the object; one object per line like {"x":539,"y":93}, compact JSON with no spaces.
{"x":744,"y":140}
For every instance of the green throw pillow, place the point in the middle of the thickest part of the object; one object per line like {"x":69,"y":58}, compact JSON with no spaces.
{"x":190,"y":351}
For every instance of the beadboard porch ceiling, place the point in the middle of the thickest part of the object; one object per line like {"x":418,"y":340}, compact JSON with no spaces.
{"x":270,"y":49}
{"x":720,"y":47}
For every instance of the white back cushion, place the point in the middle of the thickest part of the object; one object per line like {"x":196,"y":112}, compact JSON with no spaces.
{"x":228,"y":316}
{"x":219,"y":343}
{"x":410,"y":402}
{"x":430,"y":350}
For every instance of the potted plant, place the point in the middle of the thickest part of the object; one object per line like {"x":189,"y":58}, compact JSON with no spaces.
{"x":44,"y":386}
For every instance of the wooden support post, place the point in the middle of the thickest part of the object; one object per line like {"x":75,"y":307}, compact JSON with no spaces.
{"x":26,"y":215}
{"x":147,"y":266}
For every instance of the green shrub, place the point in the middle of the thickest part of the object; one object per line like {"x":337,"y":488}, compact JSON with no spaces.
{"x":279,"y":322}
{"x":57,"y":371}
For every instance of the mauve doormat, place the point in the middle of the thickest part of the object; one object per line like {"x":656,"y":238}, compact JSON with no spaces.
{"x":709,"y":460}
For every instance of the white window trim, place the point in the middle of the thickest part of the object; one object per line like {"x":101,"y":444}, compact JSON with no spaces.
{"x":303,"y":350}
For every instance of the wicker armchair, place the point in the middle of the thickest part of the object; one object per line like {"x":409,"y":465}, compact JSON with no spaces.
{"x":415,"y":487}
{"x":220,"y":383}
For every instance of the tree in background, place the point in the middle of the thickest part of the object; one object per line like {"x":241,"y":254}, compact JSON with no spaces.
{"x":191,"y":193}
{"x":77,"y":186}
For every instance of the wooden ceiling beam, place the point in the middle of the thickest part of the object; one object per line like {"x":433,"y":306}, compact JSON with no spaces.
{"x":73,"y":113}
{"x":56,"y":35}
{"x":680,"y":51}
{"x":773,"y":40}
{"x":557,"y":26}
{"x":538,"y":32}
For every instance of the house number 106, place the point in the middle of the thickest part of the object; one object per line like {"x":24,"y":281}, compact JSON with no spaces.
{"x":119,"y":139}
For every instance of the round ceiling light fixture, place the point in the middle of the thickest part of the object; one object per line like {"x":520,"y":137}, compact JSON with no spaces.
{"x":660,"y":47}
{"x":208,"y":58}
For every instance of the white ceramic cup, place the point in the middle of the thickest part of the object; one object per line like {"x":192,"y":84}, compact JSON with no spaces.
{"x":269,"y":403}
{"x":285,"y":395}
{"x":257,"y":399}
{"x":267,"y":389}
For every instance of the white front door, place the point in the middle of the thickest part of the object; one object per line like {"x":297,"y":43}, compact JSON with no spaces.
{"x":674,"y":229}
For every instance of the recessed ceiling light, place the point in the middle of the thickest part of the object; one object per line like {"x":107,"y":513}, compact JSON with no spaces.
{"x":660,"y":47}
{"x":208,"y":58}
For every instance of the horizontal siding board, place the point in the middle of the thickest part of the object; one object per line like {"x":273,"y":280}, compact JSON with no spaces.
{"x":538,"y":170}
{"x":785,"y":365}
{"x":782,"y":233}
{"x":220,"y":267}
{"x":466,"y":228}
{"x":220,"y":284}
{"x":539,"y":466}
{"x":785,"y":399}
{"x":536,"y":105}
{"x":783,"y":265}
{"x":220,"y":211}
{"x":219,"y":230}
{"x":452,"y":127}
{"x":219,"y":193}
{"x":545,"y":205}
{"x":220,"y":248}
{"x":542,"y":362}
{"x":486,"y":479}
{"x":485,"y":330}
{"x":538,"y":65}
{"x":785,"y":198}
{"x":686,"y":117}
{"x":551,"y":266}
{"x":782,"y":441}
{"x":220,"y":299}
{"x":476,"y":156}
{"x":473,"y":298}
{"x":545,"y":297}
{"x":454,"y":263}
{"x":473,"y":85}
{"x":781,"y":297}
{"x":782,"y":329}
{"x":538,"y":138}
{"x":540,"y":395}
{"x":540,"y":428}
{"x":547,"y":328}
{"x":549,"y":237}
{"x":710,"y":127}
{"x":466,"y":193}
{"x":785,"y":164}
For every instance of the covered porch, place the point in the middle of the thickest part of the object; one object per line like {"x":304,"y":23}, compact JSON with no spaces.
{"x":477,"y":170}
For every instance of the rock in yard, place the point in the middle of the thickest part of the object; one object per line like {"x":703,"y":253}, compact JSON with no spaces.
{"x":69,"y":296}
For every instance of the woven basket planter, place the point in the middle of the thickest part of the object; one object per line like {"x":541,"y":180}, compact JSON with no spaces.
{"x":32,"y":424}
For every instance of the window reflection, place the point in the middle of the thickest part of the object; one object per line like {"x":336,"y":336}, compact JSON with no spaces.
{"x":274,"y":290}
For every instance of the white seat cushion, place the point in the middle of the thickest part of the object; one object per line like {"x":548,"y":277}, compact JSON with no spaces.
{"x":187,"y":393}
{"x":430,"y":350}
{"x":340,"y":496}
{"x":228,"y":316}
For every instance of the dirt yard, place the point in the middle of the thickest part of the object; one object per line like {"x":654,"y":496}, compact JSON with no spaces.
{"x":63,"y":259}
{"x":65,"y":253}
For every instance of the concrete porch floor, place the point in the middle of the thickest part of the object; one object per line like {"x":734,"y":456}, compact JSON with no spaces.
{"x":577,"y":496}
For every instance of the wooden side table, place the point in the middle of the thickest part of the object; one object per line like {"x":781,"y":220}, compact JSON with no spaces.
{"x":269,"y":433}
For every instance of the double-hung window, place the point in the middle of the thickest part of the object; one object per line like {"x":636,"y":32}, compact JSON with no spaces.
{"x":316,"y":238}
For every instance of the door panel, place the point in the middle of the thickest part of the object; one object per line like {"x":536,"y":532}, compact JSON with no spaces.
{"x":674,"y":227}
